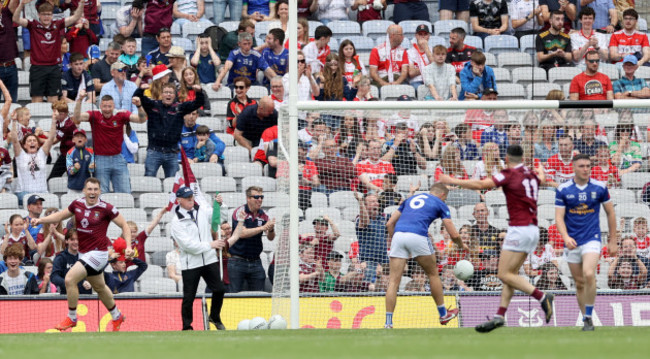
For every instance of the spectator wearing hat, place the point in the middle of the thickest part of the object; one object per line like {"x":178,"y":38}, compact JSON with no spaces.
{"x":191,"y":229}
{"x":164,"y":128}
{"x":119,"y":88}
{"x":80,"y":162}
{"x":160,"y":76}
{"x":101,"y":71}
{"x":46,"y":36}
{"x":158,"y":19}
{"x":9,"y":44}
{"x":389,"y":60}
{"x":440,"y":77}
{"x":129,"y":20}
{"x":159,"y":54}
{"x":486,"y":279}
{"x":630,"y":86}
{"x":34,"y":210}
{"x":591,"y":84}
{"x":475,"y":77}
{"x":322,"y":241}
{"x":419,"y":55}
{"x":72,"y":79}
{"x":176,"y":65}
{"x":120,"y":280}
{"x":185,"y":11}
{"x":243,"y":61}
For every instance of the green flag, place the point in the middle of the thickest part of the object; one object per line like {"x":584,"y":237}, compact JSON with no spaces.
{"x":216,"y":215}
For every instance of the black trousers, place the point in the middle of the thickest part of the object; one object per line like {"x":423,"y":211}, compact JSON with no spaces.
{"x":191,"y":278}
{"x":59,"y":167}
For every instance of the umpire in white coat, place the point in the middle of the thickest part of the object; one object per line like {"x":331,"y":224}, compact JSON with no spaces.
{"x":192,"y":230}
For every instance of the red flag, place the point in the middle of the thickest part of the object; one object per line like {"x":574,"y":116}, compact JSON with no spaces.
{"x":185,"y":177}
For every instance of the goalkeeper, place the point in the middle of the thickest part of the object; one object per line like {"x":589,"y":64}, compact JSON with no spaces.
{"x":409,"y":235}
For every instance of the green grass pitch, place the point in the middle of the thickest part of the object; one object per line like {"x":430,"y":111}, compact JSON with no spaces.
{"x":520,"y":343}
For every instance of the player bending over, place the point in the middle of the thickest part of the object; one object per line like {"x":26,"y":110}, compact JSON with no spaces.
{"x":520,"y":186}
{"x":92,"y":217}
{"x":577,"y":208}
{"x":409,"y":227}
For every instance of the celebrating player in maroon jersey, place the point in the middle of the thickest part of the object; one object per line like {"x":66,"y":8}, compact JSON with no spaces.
{"x":520,"y":186}
{"x":92,"y":217}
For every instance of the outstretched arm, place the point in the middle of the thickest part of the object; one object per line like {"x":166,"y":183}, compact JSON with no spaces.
{"x":487,"y":183}
{"x":70,"y":20}
{"x":53,"y":218}
{"x":7,"y":105}
{"x":16,"y":16}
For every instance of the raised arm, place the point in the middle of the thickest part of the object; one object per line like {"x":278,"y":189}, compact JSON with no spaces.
{"x":71,"y":20}
{"x":141,"y":116}
{"x":7,"y":96}
{"x":13,"y":138}
{"x":77,"y":116}
{"x":51,"y":136}
{"x":156,"y":220}
{"x":16,"y":16}
{"x":53,"y":218}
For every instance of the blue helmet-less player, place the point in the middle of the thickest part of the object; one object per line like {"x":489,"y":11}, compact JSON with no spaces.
{"x":409,"y":228}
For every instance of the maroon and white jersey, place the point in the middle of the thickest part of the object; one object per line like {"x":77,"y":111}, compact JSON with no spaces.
{"x":92,"y":223}
{"x":520,"y":185}
{"x":46,"y":42}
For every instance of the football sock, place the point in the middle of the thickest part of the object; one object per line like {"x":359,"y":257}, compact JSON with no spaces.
{"x":501,"y":312}
{"x":115,"y":313}
{"x":589,"y":309}
{"x":389,"y":318}
{"x":538,"y":294}
{"x":442,"y":311}
{"x":72,"y":314}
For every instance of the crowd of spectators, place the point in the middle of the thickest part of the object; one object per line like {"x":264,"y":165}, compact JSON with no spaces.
{"x":167,"y":88}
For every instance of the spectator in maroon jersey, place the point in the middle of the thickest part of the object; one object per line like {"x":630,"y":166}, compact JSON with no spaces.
{"x":50,"y":240}
{"x":335,"y":172}
{"x":92,"y":9}
{"x":140,"y":238}
{"x":65,"y":127}
{"x":157,"y":16}
{"x":45,"y":35}
{"x":322,"y":241}
{"x":368,"y":9}
{"x":9,"y":45}
{"x":80,"y":37}
{"x":16,"y":232}
{"x":311,"y":270}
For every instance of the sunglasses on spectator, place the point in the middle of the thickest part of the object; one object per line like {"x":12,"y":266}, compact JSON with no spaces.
{"x":592,"y":61}
{"x":302,"y":61}
{"x":259,"y":196}
{"x":120,"y":70}
{"x":240,"y":87}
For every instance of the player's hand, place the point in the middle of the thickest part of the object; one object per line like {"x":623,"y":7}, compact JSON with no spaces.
{"x":86,"y":285}
{"x":571,"y":243}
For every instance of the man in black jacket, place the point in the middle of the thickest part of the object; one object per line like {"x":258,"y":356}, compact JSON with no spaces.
{"x":65,"y":260}
{"x":164,"y":127}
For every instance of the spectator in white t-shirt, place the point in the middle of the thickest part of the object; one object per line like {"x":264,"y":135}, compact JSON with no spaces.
{"x":526,"y":17}
{"x":587,"y":39}
{"x":440,"y":77}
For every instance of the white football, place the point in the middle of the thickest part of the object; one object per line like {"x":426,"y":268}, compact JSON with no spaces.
{"x":463,"y":270}
{"x":243,"y":325}
{"x":277,"y":322}
{"x":257,"y":323}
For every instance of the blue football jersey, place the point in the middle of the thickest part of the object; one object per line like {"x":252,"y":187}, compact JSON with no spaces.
{"x":245,"y":65}
{"x":582,"y":207}
{"x":419,"y":211}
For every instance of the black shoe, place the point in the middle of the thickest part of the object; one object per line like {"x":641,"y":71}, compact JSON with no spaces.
{"x":588,"y":325}
{"x":490,"y":325}
{"x":219,"y":325}
{"x":547,"y":306}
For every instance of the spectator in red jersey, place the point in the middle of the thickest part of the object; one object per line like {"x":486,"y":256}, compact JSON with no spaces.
{"x":80,"y":37}
{"x":560,"y":166}
{"x":50,"y":240}
{"x":16,"y":232}
{"x":629,"y":41}
{"x":640,"y":229}
{"x":627,"y":273}
{"x":458,"y":52}
{"x":322,"y":241}
{"x":372,"y":170}
{"x":389,"y":63}
{"x":139,"y":239}
{"x":368,"y":9}
{"x":157,"y":16}
{"x":353,"y":68}
{"x":108,"y":133}
{"x":421,"y":55}
{"x":45,"y":35}
{"x":238,"y":103}
{"x":316,"y":52}
{"x":17,"y":281}
{"x":311,"y":270}
{"x":603,"y":170}
{"x":591,"y":84}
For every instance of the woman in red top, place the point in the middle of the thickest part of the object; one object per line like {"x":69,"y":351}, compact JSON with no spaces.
{"x":189,"y":78}
{"x":603,"y":170}
{"x":302,"y":34}
{"x":16,"y":232}
{"x":450,"y":164}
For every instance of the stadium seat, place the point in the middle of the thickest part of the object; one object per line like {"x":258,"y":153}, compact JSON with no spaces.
{"x":642,"y":24}
{"x":57,"y":185}
{"x":344,"y":28}
{"x":273,"y":199}
{"x":216,"y":124}
{"x":562,"y":75}
{"x":40,"y":109}
{"x":459,"y":197}
{"x":230,"y":25}
{"x":511,"y":92}
{"x":513,"y":60}
{"x":159,"y":285}
{"x":236,"y":154}
{"x":392,"y":92}
{"x":475,"y":41}
{"x":546,"y":211}
{"x":278,"y":212}
{"x":632,"y":210}
{"x":490,"y":60}
{"x":497,"y":44}
{"x":642,"y":72}
{"x":186,"y":44}
{"x":444,"y":27}
{"x":499,"y":223}
{"x":404,"y":182}
{"x":409,"y":26}
{"x":333,"y":44}
{"x":342,"y":199}
{"x":10,"y":201}
{"x":224,"y":93}
{"x":257,"y":92}
{"x":228,"y":139}
{"x":546,"y":196}
{"x":469,"y":166}
{"x":374,"y":28}
{"x":233,"y":199}
{"x":153,"y":271}
{"x":119,"y":200}
{"x":403,"y":282}
{"x":191,"y":30}
{"x":527,"y":44}
{"x":314,"y":212}
{"x":437,"y":40}
{"x":212,"y":184}
{"x":156,"y":244}
{"x":342,"y":244}
{"x":154,"y":200}
{"x":243,"y":169}
{"x":351,"y":213}
{"x":134,"y":214}
{"x":422,"y":92}
{"x":319,"y":199}
{"x":466,"y":212}
{"x":267,"y":183}
{"x":495,"y":198}
{"x":538,"y":91}
{"x":159,"y":258}
{"x":610,"y":70}
{"x":601,"y":276}
{"x":176,"y":29}
{"x":23,"y":79}
{"x":262,"y":28}
{"x":607,"y":120}
{"x":5,"y":214}
{"x":361,"y":43}
{"x":502,"y":75}
{"x":205,"y":169}
{"x":312,"y":27}
{"x":145,"y":184}
{"x":527,"y":75}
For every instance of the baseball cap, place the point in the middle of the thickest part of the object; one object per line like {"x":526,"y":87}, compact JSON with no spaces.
{"x":118,"y":65}
{"x":488,"y":253}
{"x":404,"y":98}
{"x":119,"y":246}
{"x":631,"y":59}
{"x":422,"y":28}
{"x":94,"y":52}
{"x":490,"y":90}
{"x":184,"y":192}
{"x":319,"y":220}
{"x":34,"y":198}
{"x":79,"y":131}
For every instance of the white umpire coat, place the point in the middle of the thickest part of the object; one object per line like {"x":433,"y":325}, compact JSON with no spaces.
{"x":194,"y":238}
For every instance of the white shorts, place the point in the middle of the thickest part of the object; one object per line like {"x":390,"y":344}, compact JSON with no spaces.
{"x":410,"y":245}
{"x":521,"y":239}
{"x":95,"y":260}
{"x":575,"y":255}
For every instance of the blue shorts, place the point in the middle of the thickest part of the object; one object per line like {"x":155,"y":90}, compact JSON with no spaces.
{"x":454,"y":5}
{"x":26,"y":42}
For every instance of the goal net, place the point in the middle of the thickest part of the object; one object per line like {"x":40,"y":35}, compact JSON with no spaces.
{"x":358,"y":161}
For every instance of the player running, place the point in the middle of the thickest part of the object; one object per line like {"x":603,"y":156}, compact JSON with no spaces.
{"x":92,"y":217}
{"x":409,"y":228}
{"x":577,"y":208}
{"x":520,"y":186}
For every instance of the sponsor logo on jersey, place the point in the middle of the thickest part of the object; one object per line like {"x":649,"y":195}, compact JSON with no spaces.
{"x":593,"y":87}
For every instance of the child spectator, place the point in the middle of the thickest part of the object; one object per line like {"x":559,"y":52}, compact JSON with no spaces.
{"x":80,"y":37}
{"x":138,"y":239}
{"x":335,"y":281}
{"x":121,"y":281}
{"x":311,"y":270}
{"x":80,"y":162}
{"x":316,"y":51}
{"x":640,"y":228}
{"x":205,"y":148}
{"x":130,"y":145}
{"x":65,"y":128}
{"x":627,"y":273}
{"x":205,"y":60}
{"x":144,"y":75}
{"x":23,"y":116}
{"x":65,"y":55}
{"x":43,"y":278}
{"x":440,"y":77}
{"x":16,"y":281}
{"x":16,"y":233}
{"x":49,"y":240}
{"x":129,"y":57}
{"x":603,"y":170}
